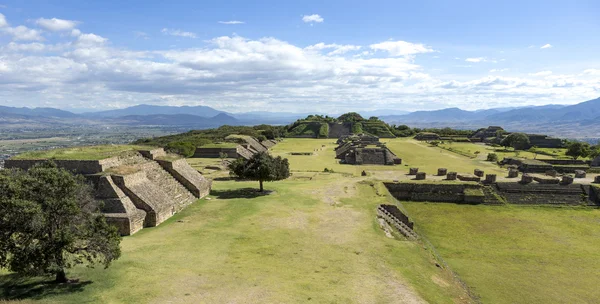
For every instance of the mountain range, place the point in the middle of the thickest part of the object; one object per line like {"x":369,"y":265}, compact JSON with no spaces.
{"x":578,"y":120}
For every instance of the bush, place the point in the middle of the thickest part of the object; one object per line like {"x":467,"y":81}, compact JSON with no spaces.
{"x":261,"y":138}
{"x":183,"y":148}
{"x":323,"y":130}
{"x":492,"y":157}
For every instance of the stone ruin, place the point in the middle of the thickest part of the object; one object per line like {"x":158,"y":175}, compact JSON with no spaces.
{"x":442,"y":171}
{"x":451,"y":176}
{"x":394,"y":217}
{"x":490,"y":178}
{"x":580,"y":174}
{"x":426,"y":136}
{"x":596,"y":162}
{"x":364,"y":149}
{"x":478,"y":172}
{"x":566,"y":180}
{"x":421,"y":176}
{"x":138,"y":188}
{"x":597,"y":179}
{"x":246,"y":149}
{"x":513,"y":173}
{"x":413,"y":171}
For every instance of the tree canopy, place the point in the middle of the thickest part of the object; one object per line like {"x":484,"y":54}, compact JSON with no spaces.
{"x":350,"y":117}
{"x":261,"y":167}
{"x":50,"y":222}
{"x":518,"y":141}
{"x":578,"y":149}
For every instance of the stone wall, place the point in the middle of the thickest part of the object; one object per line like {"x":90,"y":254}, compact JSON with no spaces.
{"x":596,"y":162}
{"x":216,"y":152}
{"x":118,"y":207}
{"x":541,"y":194}
{"x":566,"y":162}
{"x":197,"y":184}
{"x":337,"y":130}
{"x":451,"y":193}
{"x":75,"y":166}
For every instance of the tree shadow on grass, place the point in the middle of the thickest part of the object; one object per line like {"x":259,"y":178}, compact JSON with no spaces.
{"x":16,"y":287}
{"x":239,"y":193}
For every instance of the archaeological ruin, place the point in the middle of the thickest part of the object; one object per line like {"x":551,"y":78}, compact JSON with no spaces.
{"x":138,"y":188}
{"x":364,"y":149}
{"x":236,"y":146}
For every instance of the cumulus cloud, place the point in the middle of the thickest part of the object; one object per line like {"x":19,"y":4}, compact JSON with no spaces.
{"x":232,"y":22}
{"x":56,"y":25}
{"x":315,"y":18}
{"x":498,"y":70}
{"x":3,"y":21}
{"x":476,"y":59}
{"x":337,"y":48}
{"x":546,"y":46}
{"x":401,"y":48}
{"x":23,"y":33}
{"x":542,"y":73}
{"x":179,"y":33}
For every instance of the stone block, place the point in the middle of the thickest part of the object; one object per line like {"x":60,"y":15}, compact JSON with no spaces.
{"x":567,"y":180}
{"x":478,"y":172}
{"x":490,"y":178}
{"x":468,"y":178}
{"x":413,"y":171}
{"x":442,"y":171}
{"x":552,"y":173}
{"x":512,"y":173}
{"x":421,"y":176}
{"x":526,"y":179}
{"x":580,"y":174}
{"x":451,"y":175}
{"x":546,"y":180}
{"x":597,"y":179}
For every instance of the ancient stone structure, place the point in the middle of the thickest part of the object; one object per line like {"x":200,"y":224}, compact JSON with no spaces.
{"x":413,"y":171}
{"x":442,"y":171}
{"x":451,"y":175}
{"x":552,"y":173}
{"x":566,"y":180}
{"x":247,"y":147}
{"x":365,"y":150}
{"x":478,"y":172}
{"x":542,"y":194}
{"x":490,"y":178}
{"x":580,"y":174}
{"x":544,"y":141}
{"x":526,"y":179}
{"x":421,"y":176}
{"x":597,"y":179}
{"x":441,"y":192}
{"x":512,"y":173}
{"x":528,"y":165}
{"x":488,"y":132}
{"x":468,"y":178}
{"x":139,"y":188}
{"x":596,"y":162}
{"x":426,"y":136}
{"x":546,"y":179}
{"x":393,"y":216}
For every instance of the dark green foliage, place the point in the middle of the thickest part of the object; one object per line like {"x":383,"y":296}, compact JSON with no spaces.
{"x":578,"y":149}
{"x":402,"y":131}
{"x":518,"y":141}
{"x":357,"y":128}
{"x":445,"y":132}
{"x":492,"y":157}
{"x":350,"y":117}
{"x":261,"y":167}
{"x":261,"y":138}
{"x":594,"y":151}
{"x":49,"y":222}
{"x":323,"y":130}
{"x":183,"y":148}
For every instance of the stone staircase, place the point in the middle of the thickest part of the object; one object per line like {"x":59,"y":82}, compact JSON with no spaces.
{"x":491,"y":196}
{"x":171,"y":187}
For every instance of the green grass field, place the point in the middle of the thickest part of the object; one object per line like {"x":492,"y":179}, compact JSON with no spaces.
{"x":81,"y":153}
{"x":472,"y":148}
{"x":516,"y":254}
{"x":315,"y":239}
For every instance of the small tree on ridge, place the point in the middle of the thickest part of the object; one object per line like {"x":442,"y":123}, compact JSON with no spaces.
{"x":262,"y":167}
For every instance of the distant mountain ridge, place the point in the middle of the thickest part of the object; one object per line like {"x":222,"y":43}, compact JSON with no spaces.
{"x":143,"y":109}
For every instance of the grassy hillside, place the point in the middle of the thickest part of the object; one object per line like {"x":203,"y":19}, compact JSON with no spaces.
{"x":515,"y":254}
{"x":82,"y":153}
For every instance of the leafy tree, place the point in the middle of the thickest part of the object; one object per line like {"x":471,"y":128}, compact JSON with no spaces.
{"x":594,"y":151}
{"x":351,"y":117}
{"x":186,"y":149}
{"x":493,"y":157}
{"x":261,"y":167}
{"x":518,"y":141}
{"x":261,"y":138}
{"x":50,"y":222}
{"x":578,"y":149}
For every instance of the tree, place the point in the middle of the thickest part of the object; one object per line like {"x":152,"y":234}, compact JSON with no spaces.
{"x":351,"y":117}
{"x":261,"y":167}
{"x":492,"y":157}
{"x":518,"y":141}
{"x":261,"y":138}
{"x":578,"y":149}
{"x":50,"y":222}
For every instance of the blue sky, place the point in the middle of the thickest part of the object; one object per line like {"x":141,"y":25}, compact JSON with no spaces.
{"x":299,"y":55}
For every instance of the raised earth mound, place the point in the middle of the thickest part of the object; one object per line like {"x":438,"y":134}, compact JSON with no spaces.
{"x":139,"y":188}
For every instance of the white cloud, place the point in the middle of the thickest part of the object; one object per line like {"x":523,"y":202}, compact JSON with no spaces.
{"x":498,"y":70}
{"x":75,"y":32}
{"x":401,"y":48}
{"x":87,"y":40}
{"x":542,"y":73}
{"x":179,"y":33}
{"x":23,"y":33}
{"x":56,"y":25}
{"x":338,"y":49}
{"x":232,"y":22}
{"x":141,"y":35}
{"x":476,"y":59}
{"x":546,"y":46}
{"x":592,"y":72}
{"x":3,"y":21}
{"x":315,"y":18}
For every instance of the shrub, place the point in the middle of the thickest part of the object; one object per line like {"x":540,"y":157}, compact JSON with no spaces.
{"x":183,"y":148}
{"x":492,"y":157}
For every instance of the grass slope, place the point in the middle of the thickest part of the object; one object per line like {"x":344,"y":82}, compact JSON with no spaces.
{"x":515,"y":254}
{"x":82,"y":153}
{"x":312,"y":240}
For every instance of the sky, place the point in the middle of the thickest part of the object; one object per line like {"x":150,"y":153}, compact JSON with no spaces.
{"x":298,"y":56}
